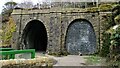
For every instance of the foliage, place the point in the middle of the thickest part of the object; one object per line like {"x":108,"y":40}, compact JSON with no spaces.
{"x":116,"y":13}
{"x":107,"y":23}
{"x":7,"y":34}
{"x":114,"y":56}
{"x":114,"y":36}
{"x":94,"y":60}
{"x":111,"y":37}
{"x":116,"y":10}
{"x":102,"y":7}
{"x":117,"y":19}
{"x":105,"y":7}
{"x":25,"y":5}
{"x":114,"y":64}
{"x":105,"y":45}
{"x":8,"y":26}
{"x":9,"y":5}
{"x":5,"y":15}
{"x":7,"y":10}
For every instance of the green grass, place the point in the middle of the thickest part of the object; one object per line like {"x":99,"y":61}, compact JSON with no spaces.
{"x":114,"y":63}
{"x":94,"y":60}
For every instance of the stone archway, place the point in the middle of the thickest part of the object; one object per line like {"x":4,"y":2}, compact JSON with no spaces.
{"x":35,"y":36}
{"x":80,"y":37}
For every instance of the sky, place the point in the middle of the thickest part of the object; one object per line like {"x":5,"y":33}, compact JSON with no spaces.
{"x":2,"y":2}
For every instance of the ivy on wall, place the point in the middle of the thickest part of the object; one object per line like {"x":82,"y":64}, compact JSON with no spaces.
{"x":111,"y":37}
{"x":115,"y":39}
{"x":114,"y":47}
{"x":9,"y":28}
{"x":106,"y":24}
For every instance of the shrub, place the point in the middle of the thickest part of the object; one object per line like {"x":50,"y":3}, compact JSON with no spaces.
{"x":8,"y":31}
{"x":117,"y":19}
{"x":106,"y":24}
{"x":105,"y":46}
{"x":114,"y":47}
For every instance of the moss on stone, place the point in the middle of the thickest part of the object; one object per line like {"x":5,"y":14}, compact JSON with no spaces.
{"x":105,"y":7}
{"x":93,"y":9}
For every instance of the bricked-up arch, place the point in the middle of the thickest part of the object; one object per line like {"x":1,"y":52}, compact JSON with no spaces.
{"x":80,"y":37}
{"x":35,"y":36}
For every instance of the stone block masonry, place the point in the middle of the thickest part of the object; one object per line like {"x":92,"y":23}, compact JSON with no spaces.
{"x":56,"y":24}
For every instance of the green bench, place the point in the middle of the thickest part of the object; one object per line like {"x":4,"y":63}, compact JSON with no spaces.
{"x":6,"y":49}
{"x":12,"y":53}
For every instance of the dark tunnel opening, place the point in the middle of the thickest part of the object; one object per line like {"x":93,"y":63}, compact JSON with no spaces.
{"x":35,"y":36}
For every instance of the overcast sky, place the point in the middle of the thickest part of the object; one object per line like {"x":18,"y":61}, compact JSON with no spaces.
{"x":2,"y":2}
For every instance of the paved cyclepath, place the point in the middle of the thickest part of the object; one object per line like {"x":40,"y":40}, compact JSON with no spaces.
{"x":70,"y":60}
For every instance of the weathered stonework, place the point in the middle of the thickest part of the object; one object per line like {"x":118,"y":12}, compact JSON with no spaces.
{"x":56,"y":22}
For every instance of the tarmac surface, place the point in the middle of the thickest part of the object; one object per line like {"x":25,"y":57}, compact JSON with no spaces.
{"x":70,"y":60}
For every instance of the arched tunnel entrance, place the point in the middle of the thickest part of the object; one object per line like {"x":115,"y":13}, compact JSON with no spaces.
{"x":80,"y":37}
{"x":35,"y":36}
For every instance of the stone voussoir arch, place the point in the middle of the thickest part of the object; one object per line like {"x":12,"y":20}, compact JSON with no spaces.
{"x":27,"y":26}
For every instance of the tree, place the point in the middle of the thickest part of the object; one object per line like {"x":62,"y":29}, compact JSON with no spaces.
{"x":26,"y":5}
{"x":7,"y":25}
{"x":7,"y":10}
{"x":10,"y":28}
{"x":116,"y":13}
{"x":116,"y":10}
{"x":10,"y":5}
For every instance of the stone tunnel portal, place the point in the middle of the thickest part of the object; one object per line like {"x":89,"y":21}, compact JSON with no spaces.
{"x":35,"y":36}
{"x":80,"y":38}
